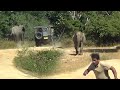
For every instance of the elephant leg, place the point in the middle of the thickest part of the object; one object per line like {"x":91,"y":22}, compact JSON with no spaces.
{"x":81,"y":48}
{"x":18,"y":40}
{"x":15,"y":38}
{"x":77,"y":48}
{"x":22,"y":38}
{"x":12,"y":37}
{"x":79,"y":44}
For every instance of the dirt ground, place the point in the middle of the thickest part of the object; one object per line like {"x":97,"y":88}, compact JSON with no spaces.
{"x":72,"y":66}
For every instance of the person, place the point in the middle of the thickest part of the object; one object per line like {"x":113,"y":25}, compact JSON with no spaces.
{"x":100,"y":69}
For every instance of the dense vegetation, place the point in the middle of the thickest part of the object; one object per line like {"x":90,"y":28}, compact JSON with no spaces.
{"x":40,"y":62}
{"x":100,"y":27}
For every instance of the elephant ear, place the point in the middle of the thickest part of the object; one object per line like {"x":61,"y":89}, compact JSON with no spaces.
{"x":23,"y":29}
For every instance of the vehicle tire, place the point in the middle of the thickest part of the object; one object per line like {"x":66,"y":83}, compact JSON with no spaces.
{"x":38,"y":35}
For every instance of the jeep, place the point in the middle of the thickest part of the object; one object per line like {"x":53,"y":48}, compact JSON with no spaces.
{"x":43,"y":35}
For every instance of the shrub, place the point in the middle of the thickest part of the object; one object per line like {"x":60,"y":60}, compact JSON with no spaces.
{"x":41,"y":62}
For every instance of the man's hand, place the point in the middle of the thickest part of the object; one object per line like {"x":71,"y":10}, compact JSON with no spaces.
{"x":85,"y":72}
{"x":114,"y":72}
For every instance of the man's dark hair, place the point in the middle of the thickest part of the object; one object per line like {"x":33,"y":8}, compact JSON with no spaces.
{"x":95,"y":55}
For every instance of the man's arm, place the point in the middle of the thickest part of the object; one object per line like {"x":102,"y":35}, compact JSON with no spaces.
{"x":91,"y":67}
{"x":109,"y":67}
{"x":86,"y":72}
{"x":114,"y":72}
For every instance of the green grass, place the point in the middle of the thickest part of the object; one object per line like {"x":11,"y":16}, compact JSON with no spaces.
{"x":4,"y":44}
{"x":29,"y":44}
{"x":41,"y":62}
{"x":104,"y":57}
{"x":109,"y":56}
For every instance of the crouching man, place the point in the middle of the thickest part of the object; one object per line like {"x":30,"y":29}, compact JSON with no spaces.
{"x":100,"y":69}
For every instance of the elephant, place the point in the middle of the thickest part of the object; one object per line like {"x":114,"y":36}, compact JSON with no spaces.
{"x":17,"y":33}
{"x":8,"y":37}
{"x":79,"y":39}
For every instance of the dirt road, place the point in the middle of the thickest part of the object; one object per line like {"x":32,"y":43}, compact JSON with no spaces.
{"x":78,"y":74}
{"x":8,"y":71}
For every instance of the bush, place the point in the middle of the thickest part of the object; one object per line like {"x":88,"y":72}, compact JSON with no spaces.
{"x":41,"y":62}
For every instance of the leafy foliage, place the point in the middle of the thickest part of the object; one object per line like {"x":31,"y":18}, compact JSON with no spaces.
{"x":41,"y":62}
{"x":102,"y":27}
{"x":28,"y":18}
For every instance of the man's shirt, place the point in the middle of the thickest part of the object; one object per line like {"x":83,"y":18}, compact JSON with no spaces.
{"x":101,"y":71}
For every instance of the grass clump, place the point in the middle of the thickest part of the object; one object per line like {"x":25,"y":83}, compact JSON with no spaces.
{"x":40,"y":62}
{"x":7,"y":44}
